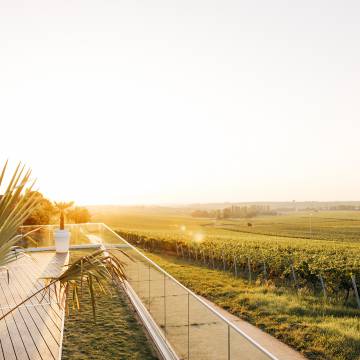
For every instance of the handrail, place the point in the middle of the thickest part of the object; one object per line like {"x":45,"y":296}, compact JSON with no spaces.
{"x":52,"y":225}
{"x":252,"y":341}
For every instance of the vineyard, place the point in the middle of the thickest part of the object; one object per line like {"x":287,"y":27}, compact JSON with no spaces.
{"x":326,"y":268}
{"x":318,"y":253}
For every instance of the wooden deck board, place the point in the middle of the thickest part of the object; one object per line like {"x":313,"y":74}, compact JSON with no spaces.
{"x":31,"y":315}
{"x":39,"y":304}
{"x":6,"y":342}
{"x":33,"y":331}
{"x":28,"y":287}
{"x":15,"y":325}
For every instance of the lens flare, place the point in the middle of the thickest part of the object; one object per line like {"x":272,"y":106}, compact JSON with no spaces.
{"x":198,"y":237}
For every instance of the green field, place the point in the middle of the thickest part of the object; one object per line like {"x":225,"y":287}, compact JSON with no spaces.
{"x":275,"y":269}
{"x":330,"y":225}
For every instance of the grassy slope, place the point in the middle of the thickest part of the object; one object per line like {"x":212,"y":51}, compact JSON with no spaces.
{"x":317,"y":330}
{"x":116,"y":334}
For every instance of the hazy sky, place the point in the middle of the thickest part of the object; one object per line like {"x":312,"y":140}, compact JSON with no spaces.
{"x":183,"y":101}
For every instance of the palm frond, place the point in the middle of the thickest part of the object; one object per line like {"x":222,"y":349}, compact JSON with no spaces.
{"x":61,"y":206}
{"x":97,"y":271}
{"x":15,"y":207}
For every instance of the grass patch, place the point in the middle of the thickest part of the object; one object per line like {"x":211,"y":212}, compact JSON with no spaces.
{"x":320,"y":331}
{"x":116,"y":334}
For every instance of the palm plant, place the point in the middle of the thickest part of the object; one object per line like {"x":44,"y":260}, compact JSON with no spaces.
{"x":14,"y":210}
{"x":95,"y":270}
{"x":62,"y":206}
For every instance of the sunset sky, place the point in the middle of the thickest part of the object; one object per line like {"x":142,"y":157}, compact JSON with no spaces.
{"x":183,"y":101}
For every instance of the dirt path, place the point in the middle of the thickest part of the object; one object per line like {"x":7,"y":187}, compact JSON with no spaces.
{"x":274,"y":346}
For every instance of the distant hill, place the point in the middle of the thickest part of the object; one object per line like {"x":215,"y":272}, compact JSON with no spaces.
{"x":281,"y":206}
{"x":285,"y":205}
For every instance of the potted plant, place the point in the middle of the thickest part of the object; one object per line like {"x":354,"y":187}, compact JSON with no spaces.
{"x":62,"y":236}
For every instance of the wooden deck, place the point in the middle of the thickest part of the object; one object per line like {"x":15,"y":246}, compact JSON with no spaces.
{"x":34,"y":330}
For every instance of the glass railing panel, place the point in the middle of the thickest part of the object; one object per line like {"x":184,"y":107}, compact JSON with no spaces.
{"x":109,"y":237}
{"x":144,"y":282}
{"x":156,"y":304}
{"x":242,"y":348}
{"x":44,"y":235}
{"x":177,"y":320}
{"x":36,"y":236}
{"x":131,"y":266}
{"x":208,"y":333}
{"x":82,"y":234}
{"x":138,"y":271}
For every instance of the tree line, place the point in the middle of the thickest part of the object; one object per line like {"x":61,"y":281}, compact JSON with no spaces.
{"x":46,"y":212}
{"x":235,"y":212}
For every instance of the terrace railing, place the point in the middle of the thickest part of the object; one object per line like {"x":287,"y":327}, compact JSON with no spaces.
{"x":187,"y":324}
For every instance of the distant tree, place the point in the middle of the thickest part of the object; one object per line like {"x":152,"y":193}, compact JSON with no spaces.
{"x":79,"y":215}
{"x":43,"y":212}
{"x":227,"y":213}
{"x":200,"y":213}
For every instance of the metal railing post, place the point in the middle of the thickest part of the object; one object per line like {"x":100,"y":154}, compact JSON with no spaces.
{"x":188,"y":324}
{"x":137,"y":283}
{"x":228,"y":342}
{"x":353,"y":279}
{"x":165,"y":305}
{"x":149,"y":287}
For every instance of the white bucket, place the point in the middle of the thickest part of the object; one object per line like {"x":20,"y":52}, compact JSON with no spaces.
{"x":62,"y":241}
